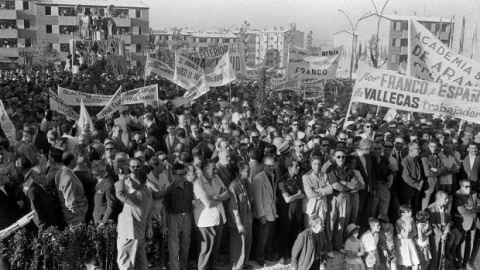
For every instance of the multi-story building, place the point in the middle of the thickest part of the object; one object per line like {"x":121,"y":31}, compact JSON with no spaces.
{"x":272,"y":45}
{"x":393,"y":34}
{"x":267,"y":47}
{"x":24,"y":23}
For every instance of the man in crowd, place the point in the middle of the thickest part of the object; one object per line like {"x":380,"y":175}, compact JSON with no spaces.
{"x":134,"y":222}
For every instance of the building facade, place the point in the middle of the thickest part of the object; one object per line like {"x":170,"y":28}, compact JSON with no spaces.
{"x":23,"y":24}
{"x":267,"y":47}
{"x":393,"y":38}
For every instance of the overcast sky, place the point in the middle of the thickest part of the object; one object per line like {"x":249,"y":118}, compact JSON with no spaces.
{"x":320,"y":16}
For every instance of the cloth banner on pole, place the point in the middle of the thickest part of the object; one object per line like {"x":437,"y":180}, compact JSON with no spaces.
{"x":56,"y":104}
{"x":85,"y":124}
{"x":389,"y":89}
{"x":209,"y":58}
{"x":431,"y":60}
{"x":73,"y":98}
{"x":146,"y":94}
{"x":7,"y":125}
{"x":313,"y":67}
{"x":188,"y":73}
{"x":113,"y":105}
{"x":284,"y":84}
{"x":159,"y":68}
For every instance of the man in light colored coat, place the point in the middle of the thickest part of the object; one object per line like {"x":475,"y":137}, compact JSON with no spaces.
{"x":134,"y":220}
{"x":265,"y":211}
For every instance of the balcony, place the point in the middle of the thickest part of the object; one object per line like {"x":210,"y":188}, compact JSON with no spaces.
{"x":405,"y":34}
{"x":123,"y":22}
{"x":8,"y":14}
{"x":9,"y":52}
{"x":9,"y":33}
{"x":68,"y":20}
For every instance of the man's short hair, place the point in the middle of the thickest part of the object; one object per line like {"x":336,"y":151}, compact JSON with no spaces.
{"x":67,"y":158}
{"x":56,"y":154}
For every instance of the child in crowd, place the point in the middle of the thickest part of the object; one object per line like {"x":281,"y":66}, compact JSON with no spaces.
{"x":424,"y":231}
{"x":407,"y":255}
{"x":386,"y":244}
{"x":311,"y":247}
{"x":354,"y":249}
{"x":370,"y":242}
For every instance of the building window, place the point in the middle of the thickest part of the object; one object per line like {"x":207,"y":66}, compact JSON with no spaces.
{"x":28,"y":43}
{"x":64,"y":47}
{"x":122,"y":13}
{"x":226,"y":40}
{"x":404,"y":26}
{"x":444,"y":27}
{"x":48,"y":10}
{"x":69,"y":30}
{"x":138,"y":48}
{"x":8,"y":42}
{"x":397,"y":26}
{"x":139,"y":30}
{"x":67,"y":11}
{"x":194,"y":49}
{"x":202,"y":40}
{"x":49,"y":29}
{"x":433,"y":27}
{"x":215,"y":40}
{"x":26,"y":24}
{"x":101,"y":11}
{"x":138,"y":13}
{"x":87,"y":11}
{"x":123,"y":30}
{"x":26,"y":5}
{"x":8,"y":24}
{"x":394,"y":42}
{"x":402,"y":58}
{"x":404,"y":42}
{"x":8,"y":5}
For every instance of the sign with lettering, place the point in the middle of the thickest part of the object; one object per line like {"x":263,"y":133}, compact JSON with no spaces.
{"x":306,"y":66}
{"x":389,"y":89}
{"x":431,"y":60}
{"x":73,"y":98}
{"x":144,"y":94}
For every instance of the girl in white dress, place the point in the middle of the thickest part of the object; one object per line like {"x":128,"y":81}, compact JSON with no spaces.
{"x":354,"y":249}
{"x":407,"y":255}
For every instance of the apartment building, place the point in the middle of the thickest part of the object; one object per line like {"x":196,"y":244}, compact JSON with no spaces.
{"x":24,"y":23}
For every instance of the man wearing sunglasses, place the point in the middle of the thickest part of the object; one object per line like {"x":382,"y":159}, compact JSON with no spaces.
{"x":364,"y":165}
{"x":465,"y":209}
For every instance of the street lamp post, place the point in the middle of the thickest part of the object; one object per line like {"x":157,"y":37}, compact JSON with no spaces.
{"x":354,"y":28}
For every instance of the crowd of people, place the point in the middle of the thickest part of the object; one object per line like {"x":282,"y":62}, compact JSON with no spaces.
{"x":293,"y":181}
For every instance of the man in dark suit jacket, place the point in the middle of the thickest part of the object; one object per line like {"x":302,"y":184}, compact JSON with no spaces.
{"x":152,"y":128}
{"x":105,"y":201}
{"x":255,"y":141}
{"x":444,"y":232}
{"x":471,"y":165}
{"x":44,"y":201}
{"x":170,"y":140}
{"x":465,"y":209}
{"x":364,"y":165}
{"x":412,"y":178}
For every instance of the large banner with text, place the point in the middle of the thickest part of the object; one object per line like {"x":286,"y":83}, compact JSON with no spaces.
{"x":306,"y":66}
{"x":431,"y":60}
{"x":389,"y":89}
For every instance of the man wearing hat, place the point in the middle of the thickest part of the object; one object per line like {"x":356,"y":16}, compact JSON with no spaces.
{"x":178,"y":204}
{"x":25,"y":148}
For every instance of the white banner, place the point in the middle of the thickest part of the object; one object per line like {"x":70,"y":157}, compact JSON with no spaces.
{"x":7,"y":125}
{"x":56,"y":104}
{"x":223,"y":73}
{"x":144,"y":94}
{"x":209,"y":58}
{"x":313,"y":67}
{"x":284,"y":84}
{"x":198,"y":89}
{"x":389,"y":89}
{"x":113,"y":105}
{"x":73,"y":98}
{"x":429,"y":59}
